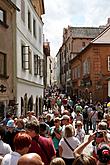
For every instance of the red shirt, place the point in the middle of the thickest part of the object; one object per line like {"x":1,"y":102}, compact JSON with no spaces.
{"x":44,"y":147}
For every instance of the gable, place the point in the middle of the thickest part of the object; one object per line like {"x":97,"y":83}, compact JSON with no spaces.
{"x":103,"y":38}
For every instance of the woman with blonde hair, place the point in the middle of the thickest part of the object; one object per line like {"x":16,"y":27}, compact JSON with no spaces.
{"x":67,"y":145}
{"x":57,"y":161}
{"x":84,"y":160}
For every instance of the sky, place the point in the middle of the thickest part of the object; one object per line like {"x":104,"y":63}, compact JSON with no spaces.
{"x":61,"y":13}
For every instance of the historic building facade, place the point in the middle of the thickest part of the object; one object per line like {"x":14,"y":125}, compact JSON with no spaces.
{"x":74,"y":40}
{"x":7,"y":53}
{"x":91,"y":69}
{"x":21,"y":56}
{"x":29,"y":56}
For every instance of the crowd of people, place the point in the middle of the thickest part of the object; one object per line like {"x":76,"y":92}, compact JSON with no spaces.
{"x":57,"y":137}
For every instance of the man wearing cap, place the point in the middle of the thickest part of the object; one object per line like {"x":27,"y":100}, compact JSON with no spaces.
{"x":10,"y":133}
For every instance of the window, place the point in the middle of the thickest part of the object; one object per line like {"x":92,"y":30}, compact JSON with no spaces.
{"x":108,"y":63}
{"x":2,"y":64}
{"x":34,"y":28}
{"x":40,"y":35}
{"x":25,"y":57}
{"x":78,"y":70}
{"x":30,"y":61}
{"x":29,"y":20}
{"x":36,"y":64}
{"x":23,"y":10}
{"x":83,"y":44}
{"x":2,"y":16}
{"x":41,"y":67}
{"x":86,"y":67}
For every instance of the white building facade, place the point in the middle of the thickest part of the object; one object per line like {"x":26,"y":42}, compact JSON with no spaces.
{"x":29,"y":58}
{"x":51,"y":71}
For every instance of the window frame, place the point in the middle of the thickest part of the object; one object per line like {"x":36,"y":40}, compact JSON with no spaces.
{"x":4,"y":65}
{"x":35,"y":64}
{"x":108,"y":63}
{"x":4,"y":16}
{"x":25,"y":56}
{"x":34,"y":27}
{"x":29,"y":20}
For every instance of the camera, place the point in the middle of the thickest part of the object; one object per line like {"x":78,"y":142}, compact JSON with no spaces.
{"x":99,"y":134}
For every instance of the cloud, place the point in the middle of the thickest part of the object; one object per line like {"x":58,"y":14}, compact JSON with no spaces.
{"x":61,"y":13}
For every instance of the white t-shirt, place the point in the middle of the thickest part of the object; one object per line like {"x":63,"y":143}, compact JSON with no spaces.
{"x":11,"y":159}
{"x":80,"y":134}
{"x":67,"y":152}
{"x":4,"y":148}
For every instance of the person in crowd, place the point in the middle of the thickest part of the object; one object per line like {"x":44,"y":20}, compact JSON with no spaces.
{"x":69,"y":102}
{"x":72,"y":121}
{"x":94,"y":118}
{"x":101,"y":136}
{"x":84,"y":160}
{"x":30,"y":159}
{"x":89,"y":109}
{"x":68,"y":144}
{"x":22,"y":142}
{"x":56,"y":133}
{"x":78,"y":107}
{"x":66,"y":112}
{"x":65,"y":121}
{"x":4,"y":147}
{"x":31,"y":117}
{"x":48,"y":103}
{"x":79,"y":116}
{"x":10,"y":133}
{"x":49,"y":120}
{"x":86,"y":119}
{"x":41,"y":119}
{"x":103,"y":152}
{"x":19,"y":125}
{"x":59,"y":102}
{"x":56,"y":113}
{"x":44,"y":129}
{"x":57,"y":161}
{"x":24,"y":118}
{"x":8,"y":117}
{"x":40,"y":145}
{"x":80,"y":133}
{"x":108,"y":122}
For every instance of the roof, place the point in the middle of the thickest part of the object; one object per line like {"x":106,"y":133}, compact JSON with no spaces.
{"x":103,"y":37}
{"x":85,"y":32}
{"x":13,"y":5}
